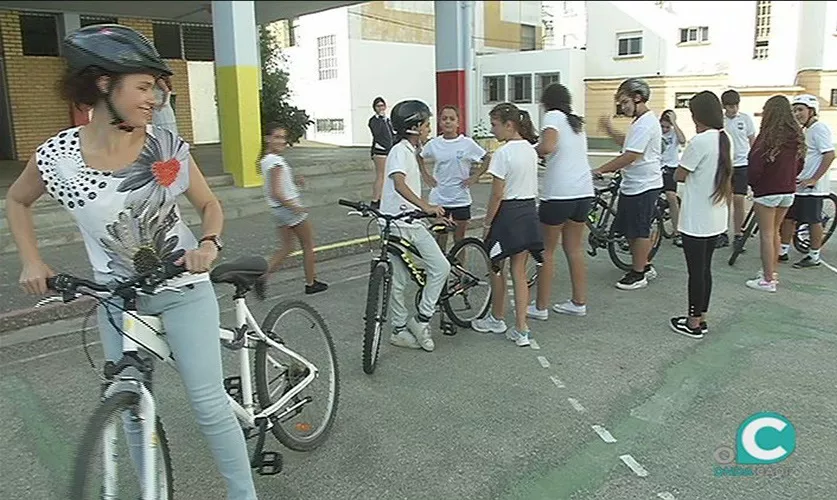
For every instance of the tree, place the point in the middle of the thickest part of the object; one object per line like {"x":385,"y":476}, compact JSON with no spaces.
{"x":275,"y":93}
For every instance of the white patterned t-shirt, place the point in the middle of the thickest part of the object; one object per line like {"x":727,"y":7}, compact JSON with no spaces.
{"x":129,"y":219}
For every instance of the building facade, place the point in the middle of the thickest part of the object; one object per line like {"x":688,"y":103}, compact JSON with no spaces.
{"x":760,"y":48}
{"x":340,"y":60}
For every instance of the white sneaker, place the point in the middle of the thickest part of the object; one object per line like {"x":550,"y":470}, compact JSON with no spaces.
{"x":403,"y":338}
{"x":538,"y":314}
{"x":521,"y":339}
{"x":760,"y":276}
{"x":571,"y":308}
{"x":489,"y":324}
{"x":421,"y":331}
{"x":761,"y":284}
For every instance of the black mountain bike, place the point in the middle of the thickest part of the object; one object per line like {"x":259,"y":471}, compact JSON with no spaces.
{"x":604,"y":235}
{"x":466,"y":297}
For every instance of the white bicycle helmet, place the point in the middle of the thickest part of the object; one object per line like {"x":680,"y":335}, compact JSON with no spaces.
{"x":808,"y":100}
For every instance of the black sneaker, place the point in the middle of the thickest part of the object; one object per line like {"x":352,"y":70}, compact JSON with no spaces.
{"x":739,"y":243}
{"x":783,"y":257}
{"x":722,"y":241}
{"x":677,"y":241}
{"x":704,"y":328}
{"x":260,"y":288}
{"x":316,"y":287}
{"x":808,"y":261}
{"x":680,"y":325}
{"x":632,"y":281}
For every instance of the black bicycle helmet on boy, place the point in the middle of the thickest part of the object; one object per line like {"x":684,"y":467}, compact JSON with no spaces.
{"x":116,"y":49}
{"x":635,"y":86}
{"x":407,"y":114}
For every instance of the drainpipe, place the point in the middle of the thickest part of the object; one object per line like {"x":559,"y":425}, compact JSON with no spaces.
{"x":470,"y":80}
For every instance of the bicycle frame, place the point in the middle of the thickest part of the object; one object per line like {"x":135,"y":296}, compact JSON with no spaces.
{"x":146,"y":332}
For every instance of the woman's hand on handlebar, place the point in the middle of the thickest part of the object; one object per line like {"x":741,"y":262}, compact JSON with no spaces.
{"x":33,"y":277}
{"x":434,"y":210}
{"x":199,"y":260}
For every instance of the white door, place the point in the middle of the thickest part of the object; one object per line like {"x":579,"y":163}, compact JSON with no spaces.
{"x":203,"y":102}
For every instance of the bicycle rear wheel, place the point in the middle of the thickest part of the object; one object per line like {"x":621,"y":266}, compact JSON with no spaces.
{"x":105,"y":429}
{"x":468,"y":288}
{"x":304,"y":422}
{"x":620,"y":250}
{"x":802,"y":236}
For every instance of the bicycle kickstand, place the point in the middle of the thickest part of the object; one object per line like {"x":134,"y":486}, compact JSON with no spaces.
{"x":266,"y":463}
{"x":446,"y":326}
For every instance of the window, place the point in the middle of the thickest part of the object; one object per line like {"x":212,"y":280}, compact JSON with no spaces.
{"x":629,"y":44}
{"x":327,"y":57}
{"x":681,"y":100}
{"x":413,"y":7}
{"x":520,"y":89}
{"x":762,"y":30}
{"x":833,"y":102}
{"x":330,"y":125}
{"x":198,"y":42}
{"x":91,"y":20}
{"x":528,"y":34}
{"x":168,"y":40}
{"x":39,"y":34}
{"x":698,"y":34}
{"x":493,"y":89}
{"x":544,"y":80}
{"x":293,"y":32}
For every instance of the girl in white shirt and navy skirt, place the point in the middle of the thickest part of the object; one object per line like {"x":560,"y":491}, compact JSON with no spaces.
{"x":454,"y":156}
{"x":511,"y":220}
{"x":706,"y":172}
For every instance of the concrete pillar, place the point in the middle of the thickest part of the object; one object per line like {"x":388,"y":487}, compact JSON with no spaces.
{"x":237,"y":88}
{"x":454,"y":56}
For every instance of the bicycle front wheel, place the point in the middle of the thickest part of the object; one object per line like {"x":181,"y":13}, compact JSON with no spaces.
{"x":619,"y":248}
{"x":469,"y":283}
{"x":304,"y":421}
{"x":105,"y":455}
{"x":802,"y":235}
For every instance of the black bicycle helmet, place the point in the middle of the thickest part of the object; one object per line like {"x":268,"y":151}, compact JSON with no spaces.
{"x":407,"y":114}
{"x":730,"y":98}
{"x":116,"y":49}
{"x":635,"y":86}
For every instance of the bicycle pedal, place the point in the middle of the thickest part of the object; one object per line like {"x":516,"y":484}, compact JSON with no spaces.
{"x":270,"y":463}
{"x":233,"y":387}
{"x":448,"y":329}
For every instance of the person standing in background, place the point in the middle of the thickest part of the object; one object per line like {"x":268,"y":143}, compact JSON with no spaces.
{"x":382,"y":139}
{"x":739,"y":126}
{"x":673,"y":137}
{"x":163,"y":115}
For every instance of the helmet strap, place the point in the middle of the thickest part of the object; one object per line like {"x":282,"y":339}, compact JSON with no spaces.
{"x":116,"y":118}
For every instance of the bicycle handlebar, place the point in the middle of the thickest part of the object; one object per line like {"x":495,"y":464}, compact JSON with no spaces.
{"x":365,"y":209}
{"x":68,"y":284}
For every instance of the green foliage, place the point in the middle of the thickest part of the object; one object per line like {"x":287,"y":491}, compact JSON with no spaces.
{"x":275,"y":93}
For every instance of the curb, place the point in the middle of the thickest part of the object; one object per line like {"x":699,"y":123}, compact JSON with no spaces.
{"x":15,"y":320}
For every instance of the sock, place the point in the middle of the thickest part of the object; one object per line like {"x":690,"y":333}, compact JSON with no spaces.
{"x":785,"y":249}
{"x":422,"y":319}
{"x":814,"y":254}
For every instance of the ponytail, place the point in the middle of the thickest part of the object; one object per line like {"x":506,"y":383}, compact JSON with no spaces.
{"x":508,"y":112}
{"x":557,"y":97}
{"x":526,"y":128}
{"x":723,"y":175}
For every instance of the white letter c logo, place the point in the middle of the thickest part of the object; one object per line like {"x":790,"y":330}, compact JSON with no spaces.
{"x":748,"y":439}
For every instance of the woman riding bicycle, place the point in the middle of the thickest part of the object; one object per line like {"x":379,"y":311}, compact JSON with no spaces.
{"x":119,"y":178}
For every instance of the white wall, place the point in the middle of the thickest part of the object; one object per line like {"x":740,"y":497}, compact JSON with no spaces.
{"x":203,"y":102}
{"x":569,"y":62}
{"x":322,"y":99}
{"x":520,"y":12}
{"x":394,"y":71}
{"x":729,"y":50}
{"x":817,"y":28}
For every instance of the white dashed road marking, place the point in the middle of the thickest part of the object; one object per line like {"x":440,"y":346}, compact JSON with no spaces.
{"x":666,"y":495}
{"x":557,"y":382}
{"x":534,"y":345}
{"x":635,"y":466}
{"x":575,"y":404}
{"x":826,"y":264}
{"x":603,"y":433}
{"x":543,"y":361}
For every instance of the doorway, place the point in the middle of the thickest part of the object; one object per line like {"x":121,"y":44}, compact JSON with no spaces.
{"x":7,"y":143}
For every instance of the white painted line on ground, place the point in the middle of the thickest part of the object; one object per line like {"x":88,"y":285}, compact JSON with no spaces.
{"x":557,"y":382}
{"x":635,"y":466}
{"x":826,"y":264}
{"x":576,"y":405}
{"x":603,"y":433}
{"x":666,"y":495}
{"x":534,"y":345}
{"x":543,"y":361}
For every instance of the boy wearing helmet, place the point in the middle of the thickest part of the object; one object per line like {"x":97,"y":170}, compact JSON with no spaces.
{"x":739,"y":127}
{"x":642,"y":178}
{"x":402,"y":193}
{"x":812,"y":182}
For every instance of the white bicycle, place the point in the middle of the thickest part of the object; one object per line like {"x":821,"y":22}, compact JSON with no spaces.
{"x":284,"y":383}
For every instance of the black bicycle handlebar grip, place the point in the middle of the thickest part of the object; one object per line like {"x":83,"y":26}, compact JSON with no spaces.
{"x":350,"y":204}
{"x":59,"y":282}
{"x":50,"y":282}
{"x":171,"y":270}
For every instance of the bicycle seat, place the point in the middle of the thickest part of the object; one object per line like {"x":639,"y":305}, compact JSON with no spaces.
{"x":241,"y":272}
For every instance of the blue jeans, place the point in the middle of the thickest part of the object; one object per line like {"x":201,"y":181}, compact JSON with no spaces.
{"x":190,"y":319}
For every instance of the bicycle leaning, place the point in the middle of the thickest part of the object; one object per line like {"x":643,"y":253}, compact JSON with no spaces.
{"x":466,"y":296}
{"x":284,"y":397}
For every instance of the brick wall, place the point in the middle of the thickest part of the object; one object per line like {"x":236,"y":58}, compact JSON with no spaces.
{"x":37,"y":110}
